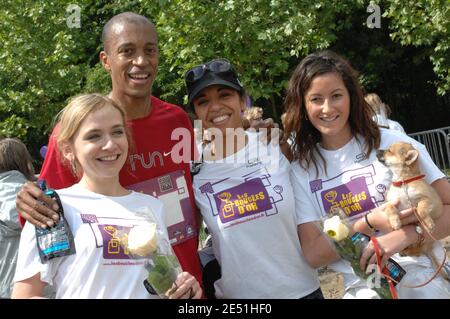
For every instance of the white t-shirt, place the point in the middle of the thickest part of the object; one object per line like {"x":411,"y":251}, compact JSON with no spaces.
{"x":358,"y":185}
{"x":394,"y":125}
{"x":248,"y":205}
{"x":101,"y":267}
{"x":385,"y":122}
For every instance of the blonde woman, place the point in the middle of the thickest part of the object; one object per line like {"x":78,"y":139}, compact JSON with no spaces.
{"x":94,"y":143}
{"x":382,"y":113}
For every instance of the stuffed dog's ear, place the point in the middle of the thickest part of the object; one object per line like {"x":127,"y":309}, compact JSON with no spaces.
{"x":411,"y":157}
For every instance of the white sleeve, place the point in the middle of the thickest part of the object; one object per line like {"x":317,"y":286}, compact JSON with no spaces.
{"x":28,"y":261}
{"x":305,"y":209}
{"x":394,"y":125}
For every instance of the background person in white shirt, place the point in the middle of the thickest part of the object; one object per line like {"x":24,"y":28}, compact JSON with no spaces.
{"x":16,"y":167}
{"x":382,"y":113}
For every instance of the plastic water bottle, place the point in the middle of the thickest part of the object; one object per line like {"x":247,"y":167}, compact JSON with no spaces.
{"x":56,"y":241}
{"x":395,"y":271}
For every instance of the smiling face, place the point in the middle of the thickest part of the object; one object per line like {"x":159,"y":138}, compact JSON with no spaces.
{"x":327,"y":104}
{"x":220,"y":107}
{"x":132,"y":58}
{"x":99,"y":146}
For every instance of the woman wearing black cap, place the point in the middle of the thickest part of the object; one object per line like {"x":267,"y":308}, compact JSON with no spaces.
{"x":245,"y":196}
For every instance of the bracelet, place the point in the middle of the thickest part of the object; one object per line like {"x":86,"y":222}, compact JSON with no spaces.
{"x":368,"y":224}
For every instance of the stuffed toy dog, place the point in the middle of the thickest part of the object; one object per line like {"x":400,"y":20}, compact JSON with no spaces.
{"x":409,"y":186}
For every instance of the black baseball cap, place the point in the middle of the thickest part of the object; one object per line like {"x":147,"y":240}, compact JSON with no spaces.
{"x":215,"y":72}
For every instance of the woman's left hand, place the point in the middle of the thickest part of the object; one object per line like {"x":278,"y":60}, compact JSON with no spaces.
{"x":388,"y":244}
{"x":188,"y":287}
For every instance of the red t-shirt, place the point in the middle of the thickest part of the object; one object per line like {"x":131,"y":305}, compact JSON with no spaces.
{"x":152,"y":168}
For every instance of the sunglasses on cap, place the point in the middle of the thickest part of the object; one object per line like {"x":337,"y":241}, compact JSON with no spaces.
{"x":215,"y":66}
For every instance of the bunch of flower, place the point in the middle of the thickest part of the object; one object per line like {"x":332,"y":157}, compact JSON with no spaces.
{"x":150,"y":242}
{"x":351,"y":249}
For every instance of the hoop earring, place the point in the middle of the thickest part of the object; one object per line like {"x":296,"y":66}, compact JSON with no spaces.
{"x":73,"y":167}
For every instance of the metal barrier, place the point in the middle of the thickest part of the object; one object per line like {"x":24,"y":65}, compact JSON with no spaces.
{"x":437,"y":143}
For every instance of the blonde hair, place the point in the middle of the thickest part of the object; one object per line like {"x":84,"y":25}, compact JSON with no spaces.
{"x":376,"y":104}
{"x":283,"y":118}
{"x":14,"y":156}
{"x":73,"y":115}
{"x":253,"y":113}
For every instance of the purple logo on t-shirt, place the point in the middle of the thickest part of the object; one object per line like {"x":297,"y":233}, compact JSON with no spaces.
{"x":353,"y":197}
{"x":315,"y":185}
{"x":115,"y":241}
{"x":89,"y":218}
{"x":246,"y":199}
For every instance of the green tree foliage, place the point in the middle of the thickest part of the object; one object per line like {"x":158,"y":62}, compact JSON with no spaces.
{"x":260,"y":37}
{"x":43,"y":62}
{"x":424,"y":23}
{"x":401,"y":74}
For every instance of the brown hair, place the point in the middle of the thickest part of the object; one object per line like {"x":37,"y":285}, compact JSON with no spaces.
{"x":306,"y":135}
{"x":73,"y":115}
{"x":14,"y":156}
{"x":377,"y":105}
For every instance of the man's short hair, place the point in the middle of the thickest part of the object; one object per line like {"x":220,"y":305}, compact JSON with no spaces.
{"x":124,"y":17}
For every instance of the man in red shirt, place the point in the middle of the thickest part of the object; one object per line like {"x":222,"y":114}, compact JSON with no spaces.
{"x":158,"y":161}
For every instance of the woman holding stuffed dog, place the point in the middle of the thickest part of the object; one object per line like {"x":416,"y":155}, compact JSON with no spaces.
{"x":335,"y":165}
